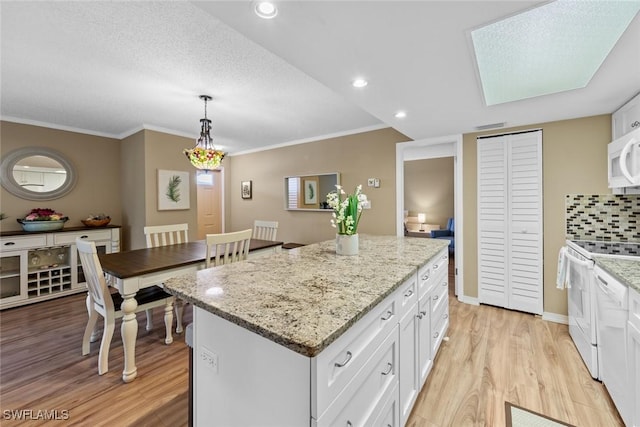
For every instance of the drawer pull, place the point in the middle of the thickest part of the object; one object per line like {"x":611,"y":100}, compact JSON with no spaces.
{"x":349,"y":424}
{"x":341,"y":365}
{"x":389,"y":369}
{"x":445,"y":284}
{"x":436,"y":335}
{"x":444,"y":256}
{"x":409,"y":293}
{"x":426,"y":275}
{"x":435,"y":297}
{"x":10,"y":243}
{"x":84,"y":237}
{"x":437,"y":266}
{"x":445,"y":316}
{"x":421,"y":314}
{"x":389,"y":315}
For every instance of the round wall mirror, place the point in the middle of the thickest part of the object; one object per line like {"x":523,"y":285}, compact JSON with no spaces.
{"x":37,"y":173}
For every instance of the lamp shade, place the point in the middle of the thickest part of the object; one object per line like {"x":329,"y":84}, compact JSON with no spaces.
{"x":422,"y":218}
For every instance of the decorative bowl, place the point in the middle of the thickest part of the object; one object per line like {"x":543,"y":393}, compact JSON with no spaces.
{"x":42,"y":225}
{"x":96,"y":222}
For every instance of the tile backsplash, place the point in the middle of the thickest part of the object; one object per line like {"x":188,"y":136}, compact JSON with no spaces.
{"x":603,"y":217}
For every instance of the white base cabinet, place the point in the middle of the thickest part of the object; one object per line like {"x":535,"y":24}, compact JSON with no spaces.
{"x":369,"y":376}
{"x":633,"y":356}
{"x":40,"y":266}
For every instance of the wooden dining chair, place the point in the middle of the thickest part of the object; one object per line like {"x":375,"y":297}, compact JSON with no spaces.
{"x":163,"y":235}
{"x":265,"y":230}
{"x":102,"y":302}
{"x":226,"y":248}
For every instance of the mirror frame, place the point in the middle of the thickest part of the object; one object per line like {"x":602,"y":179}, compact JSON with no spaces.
{"x":12,"y":186}
{"x":286,"y":191}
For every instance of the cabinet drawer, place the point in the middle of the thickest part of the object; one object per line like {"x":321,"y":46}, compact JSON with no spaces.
{"x":634,"y":307}
{"x":407,"y":295}
{"x":70,"y":238}
{"x":428,"y":274}
{"x":338,"y":364}
{"x":23,"y":242}
{"x":440,"y":323}
{"x":439,"y":295}
{"x":363,"y":397}
{"x":389,"y":413}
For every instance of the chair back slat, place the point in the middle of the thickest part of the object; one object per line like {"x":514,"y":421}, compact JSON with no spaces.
{"x":163,"y":235}
{"x":94,"y":276}
{"x":265,"y":230}
{"x":226,"y":248}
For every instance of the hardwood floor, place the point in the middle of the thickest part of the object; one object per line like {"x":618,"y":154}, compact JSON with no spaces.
{"x":492,"y":355}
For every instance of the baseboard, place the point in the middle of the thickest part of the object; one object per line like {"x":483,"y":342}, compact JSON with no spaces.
{"x":555,"y":317}
{"x":468,"y":300}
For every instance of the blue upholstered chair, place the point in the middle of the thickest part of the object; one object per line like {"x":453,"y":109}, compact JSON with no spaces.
{"x":447,"y":233}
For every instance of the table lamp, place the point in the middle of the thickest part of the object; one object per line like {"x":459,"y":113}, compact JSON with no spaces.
{"x":422,"y":218}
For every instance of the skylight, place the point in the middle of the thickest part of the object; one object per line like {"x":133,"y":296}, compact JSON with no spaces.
{"x":553,"y":48}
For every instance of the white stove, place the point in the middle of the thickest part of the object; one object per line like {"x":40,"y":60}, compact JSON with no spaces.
{"x":589,"y":248}
{"x":582,"y":285}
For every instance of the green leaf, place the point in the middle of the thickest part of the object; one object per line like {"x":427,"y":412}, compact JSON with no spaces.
{"x":173,"y":189}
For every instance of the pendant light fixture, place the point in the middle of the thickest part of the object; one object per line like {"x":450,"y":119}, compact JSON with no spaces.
{"x":204,"y":155}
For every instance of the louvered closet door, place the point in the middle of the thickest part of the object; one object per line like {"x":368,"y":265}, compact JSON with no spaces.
{"x":492,"y":221}
{"x":510,"y":234}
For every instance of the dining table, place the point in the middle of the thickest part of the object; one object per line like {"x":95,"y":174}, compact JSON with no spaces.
{"x":135,"y":269}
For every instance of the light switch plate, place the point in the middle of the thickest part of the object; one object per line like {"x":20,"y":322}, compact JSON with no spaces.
{"x":371,"y":182}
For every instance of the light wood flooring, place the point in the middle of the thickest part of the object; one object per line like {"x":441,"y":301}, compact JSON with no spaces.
{"x":492,"y":355}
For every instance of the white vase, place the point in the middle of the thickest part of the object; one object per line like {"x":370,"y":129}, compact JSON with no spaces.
{"x":347,"y":244}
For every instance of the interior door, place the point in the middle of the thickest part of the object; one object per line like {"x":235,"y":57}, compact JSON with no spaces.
{"x":510,"y":221}
{"x":209,"y":203}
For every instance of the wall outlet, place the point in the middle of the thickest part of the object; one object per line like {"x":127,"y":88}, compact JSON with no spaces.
{"x":376,"y":183}
{"x":210,"y":359}
{"x":371,"y":182}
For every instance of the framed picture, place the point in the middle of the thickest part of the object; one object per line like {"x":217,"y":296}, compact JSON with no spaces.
{"x":173,"y":190}
{"x":245,"y":189}
{"x":311,"y":191}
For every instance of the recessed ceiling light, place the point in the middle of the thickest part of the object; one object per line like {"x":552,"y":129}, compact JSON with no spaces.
{"x":360,"y":82}
{"x":556,"y":47}
{"x":401,"y":114}
{"x":266,"y":9}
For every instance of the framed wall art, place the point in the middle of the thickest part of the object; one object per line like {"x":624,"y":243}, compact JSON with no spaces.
{"x":245,"y":189}
{"x":310,"y":191}
{"x":173,"y":190}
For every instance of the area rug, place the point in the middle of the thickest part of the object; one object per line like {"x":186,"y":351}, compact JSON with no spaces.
{"x":517,"y":416}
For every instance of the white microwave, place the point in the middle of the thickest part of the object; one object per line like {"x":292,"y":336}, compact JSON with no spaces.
{"x":624,"y":161}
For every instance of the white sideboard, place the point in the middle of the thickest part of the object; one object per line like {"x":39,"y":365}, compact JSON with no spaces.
{"x":39,"y":266}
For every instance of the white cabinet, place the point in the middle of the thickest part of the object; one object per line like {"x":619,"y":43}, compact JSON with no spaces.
{"x":40,"y":266}
{"x":369,"y":376}
{"x":510,"y":221}
{"x":633,"y":357}
{"x":422,"y":330}
{"x":626,"y":118}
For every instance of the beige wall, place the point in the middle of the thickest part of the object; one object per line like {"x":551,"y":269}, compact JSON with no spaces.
{"x":143,"y":154}
{"x":574,"y":156}
{"x":429,"y":188}
{"x":96,"y":159}
{"x":120,"y":178}
{"x":356,"y":157}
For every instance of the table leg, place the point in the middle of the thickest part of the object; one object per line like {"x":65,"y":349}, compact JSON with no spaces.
{"x":129,"y":332}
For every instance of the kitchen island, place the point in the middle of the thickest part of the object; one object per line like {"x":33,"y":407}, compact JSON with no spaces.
{"x":307,"y":337}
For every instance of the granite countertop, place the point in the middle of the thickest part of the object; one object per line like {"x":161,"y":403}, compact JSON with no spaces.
{"x":623,"y":269}
{"x":305,"y":298}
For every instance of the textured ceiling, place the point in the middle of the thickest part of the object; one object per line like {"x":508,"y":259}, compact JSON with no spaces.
{"x":111,"y":68}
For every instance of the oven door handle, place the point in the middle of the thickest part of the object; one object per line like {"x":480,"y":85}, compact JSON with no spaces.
{"x":582,"y":263}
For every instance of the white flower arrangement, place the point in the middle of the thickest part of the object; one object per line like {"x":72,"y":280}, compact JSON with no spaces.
{"x":347,"y":211}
